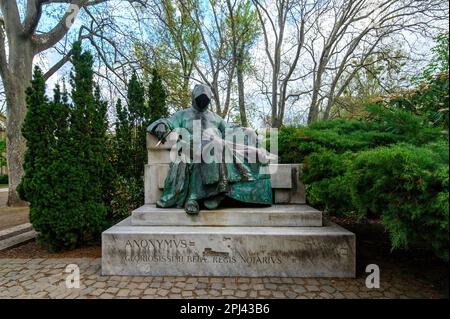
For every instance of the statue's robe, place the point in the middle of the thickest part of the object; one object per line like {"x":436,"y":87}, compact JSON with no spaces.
{"x":240,"y":180}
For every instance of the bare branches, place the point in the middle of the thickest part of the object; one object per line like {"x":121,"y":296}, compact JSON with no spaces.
{"x":359,"y":28}
{"x":283,"y":63}
{"x":57,"y":65}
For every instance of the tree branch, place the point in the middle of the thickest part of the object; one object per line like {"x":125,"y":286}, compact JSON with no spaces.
{"x":47,"y":40}
{"x":58,"y":65}
{"x":11,"y":17}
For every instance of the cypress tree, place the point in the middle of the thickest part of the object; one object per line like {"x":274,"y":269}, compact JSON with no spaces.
{"x":45,"y":129}
{"x":36,"y":132}
{"x":136,"y":101}
{"x":130,"y":151}
{"x":130,"y":142}
{"x":68,"y":171}
{"x":89,"y":172}
{"x":138,"y":119}
{"x":157,"y":98}
{"x":122,"y":141}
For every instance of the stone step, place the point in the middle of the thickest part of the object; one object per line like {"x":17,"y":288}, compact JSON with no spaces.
{"x":16,"y":230}
{"x":16,"y":235}
{"x":274,"y":216}
{"x":327,"y":251}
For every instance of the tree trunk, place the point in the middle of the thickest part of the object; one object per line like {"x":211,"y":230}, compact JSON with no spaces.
{"x":313,"y":111}
{"x":21,"y":65}
{"x":241,"y":93}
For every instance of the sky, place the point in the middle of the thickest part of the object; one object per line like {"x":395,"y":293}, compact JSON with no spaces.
{"x":125,"y":16}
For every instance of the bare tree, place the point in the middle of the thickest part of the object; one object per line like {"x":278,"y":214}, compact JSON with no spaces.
{"x":359,"y":30}
{"x":243,"y":34}
{"x":20,"y":42}
{"x":275,"y":19}
{"x":172,"y":48}
{"x":215,"y":66}
{"x":334,"y":40}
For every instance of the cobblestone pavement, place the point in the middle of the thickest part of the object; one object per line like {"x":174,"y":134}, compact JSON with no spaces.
{"x":46,"y":278}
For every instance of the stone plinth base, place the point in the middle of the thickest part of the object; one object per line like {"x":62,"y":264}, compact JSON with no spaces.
{"x":327,"y":251}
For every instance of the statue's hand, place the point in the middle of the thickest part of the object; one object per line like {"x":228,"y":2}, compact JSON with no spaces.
{"x":160,"y":132}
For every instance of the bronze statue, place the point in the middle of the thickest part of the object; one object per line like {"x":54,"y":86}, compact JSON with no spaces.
{"x":214,"y":166}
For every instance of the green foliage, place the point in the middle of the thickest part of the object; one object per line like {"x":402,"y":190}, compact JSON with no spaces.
{"x":157,"y":98}
{"x":4,"y":179}
{"x":327,"y":183}
{"x":2,"y":152}
{"x":392,"y":165}
{"x":138,"y":112}
{"x":429,"y":99}
{"x":138,"y":118}
{"x":407,"y":186}
{"x":130,"y":150}
{"x":439,"y":61}
{"x":385,"y":127}
{"x":122,"y":142}
{"x":127,"y":196}
{"x":37,"y":130}
{"x":67,"y":168}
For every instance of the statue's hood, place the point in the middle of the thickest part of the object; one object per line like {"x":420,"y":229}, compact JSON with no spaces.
{"x":200,"y":89}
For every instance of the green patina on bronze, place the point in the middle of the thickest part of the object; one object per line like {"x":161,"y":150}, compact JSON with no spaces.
{"x":191,"y":183}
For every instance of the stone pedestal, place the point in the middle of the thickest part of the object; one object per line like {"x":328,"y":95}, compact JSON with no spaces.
{"x":288,"y":239}
{"x":281,"y":241}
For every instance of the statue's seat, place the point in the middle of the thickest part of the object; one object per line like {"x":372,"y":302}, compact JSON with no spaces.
{"x":285,"y":178}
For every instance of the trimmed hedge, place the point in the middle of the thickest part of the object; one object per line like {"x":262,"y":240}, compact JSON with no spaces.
{"x":390,"y":167}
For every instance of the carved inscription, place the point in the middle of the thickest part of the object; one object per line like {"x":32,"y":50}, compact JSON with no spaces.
{"x":187,"y":251}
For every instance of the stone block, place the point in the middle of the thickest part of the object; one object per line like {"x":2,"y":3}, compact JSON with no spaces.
{"x":327,"y":251}
{"x":274,"y":216}
{"x":152,"y":191}
{"x":152,"y":141}
{"x":159,"y":157}
{"x":163,"y":171}
{"x":281,"y":176}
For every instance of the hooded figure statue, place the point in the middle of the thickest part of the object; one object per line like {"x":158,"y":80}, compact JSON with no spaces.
{"x":215,"y":167}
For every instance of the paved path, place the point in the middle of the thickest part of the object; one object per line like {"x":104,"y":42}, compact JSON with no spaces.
{"x":11,"y":216}
{"x":46,"y":278}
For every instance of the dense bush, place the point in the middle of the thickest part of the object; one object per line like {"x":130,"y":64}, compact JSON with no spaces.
{"x":383,"y":127}
{"x":2,"y":154}
{"x":129,"y":143}
{"x":404,"y":185}
{"x":127,"y":195}
{"x":67,"y":172}
{"x":407,"y":187}
{"x":324,"y":174}
{"x":392,"y":164}
{"x":4,"y":179}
